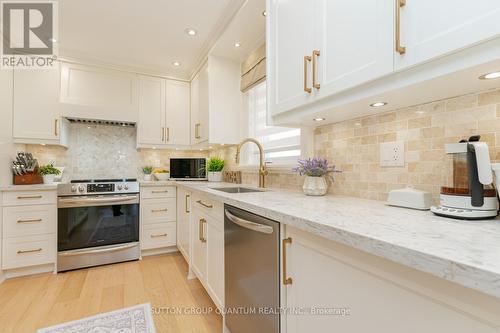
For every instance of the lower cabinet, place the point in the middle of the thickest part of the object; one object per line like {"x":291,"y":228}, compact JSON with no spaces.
{"x":207,"y":257}
{"x":345,"y":290}
{"x":158,"y":217}
{"x":183,"y":218}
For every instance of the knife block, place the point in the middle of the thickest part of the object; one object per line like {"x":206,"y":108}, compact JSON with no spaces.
{"x":28,"y":179}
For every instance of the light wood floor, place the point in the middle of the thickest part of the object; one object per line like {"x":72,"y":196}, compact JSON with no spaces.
{"x":29,"y":303}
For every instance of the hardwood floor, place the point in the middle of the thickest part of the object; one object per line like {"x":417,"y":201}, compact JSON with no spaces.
{"x":29,"y":303}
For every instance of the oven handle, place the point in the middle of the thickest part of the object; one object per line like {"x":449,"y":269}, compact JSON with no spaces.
{"x":95,"y":251}
{"x":79,"y":202}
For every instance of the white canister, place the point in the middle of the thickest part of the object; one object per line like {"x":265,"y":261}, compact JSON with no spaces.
{"x":215,"y":176}
{"x":316,"y":186}
{"x":48,"y":179}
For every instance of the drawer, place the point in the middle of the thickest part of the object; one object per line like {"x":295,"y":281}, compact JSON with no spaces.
{"x":28,"y":251}
{"x":23,"y":198}
{"x":214,"y":208}
{"x":158,"y":235}
{"x":158,"y":210}
{"x":158,"y":192}
{"x":29,"y":220}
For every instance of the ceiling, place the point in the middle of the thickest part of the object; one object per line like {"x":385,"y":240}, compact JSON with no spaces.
{"x":145,"y":36}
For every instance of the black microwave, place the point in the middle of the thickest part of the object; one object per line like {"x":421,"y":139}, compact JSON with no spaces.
{"x":188,"y":168}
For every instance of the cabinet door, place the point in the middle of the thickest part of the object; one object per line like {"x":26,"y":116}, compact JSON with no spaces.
{"x":195,"y":107}
{"x":198,"y":238}
{"x":37,"y":112}
{"x":355,"y":43}
{"x":203,"y":109}
{"x":177,"y":122}
{"x":291,"y":36}
{"x":215,"y":261}
{"x":151,"y":124}
{"x":183,"y":217}
{"x":358,"y":293}
{"x":430,"y":29}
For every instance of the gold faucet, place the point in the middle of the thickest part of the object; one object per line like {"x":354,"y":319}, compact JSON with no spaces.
{"x":262,"y":166}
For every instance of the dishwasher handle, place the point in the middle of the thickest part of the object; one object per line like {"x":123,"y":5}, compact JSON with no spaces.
{"x":265,"y":229}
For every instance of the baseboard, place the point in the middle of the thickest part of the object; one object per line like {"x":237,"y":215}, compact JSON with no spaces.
{"x":163,"y":250}
{"x":25,"y":271}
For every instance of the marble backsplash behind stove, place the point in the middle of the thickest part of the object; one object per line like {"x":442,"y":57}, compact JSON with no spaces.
{"x":99,"y":151}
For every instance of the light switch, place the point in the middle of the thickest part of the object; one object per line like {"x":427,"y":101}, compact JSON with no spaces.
{"x":392,"y":154}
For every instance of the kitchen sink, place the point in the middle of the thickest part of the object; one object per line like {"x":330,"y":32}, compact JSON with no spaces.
{"x":236,"y":189}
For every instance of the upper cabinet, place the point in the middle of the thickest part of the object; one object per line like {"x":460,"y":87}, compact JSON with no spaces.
{"x":429,"y":29}
{"x":36,"y":109}
{"x":96,"y":93}
{"x":332,"y":58}
{"x":163,"y":113}
{"x":216,"y":103}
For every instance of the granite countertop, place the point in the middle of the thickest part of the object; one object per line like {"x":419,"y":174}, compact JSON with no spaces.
{"x":464,"y":252}
{"x":35,"y":187}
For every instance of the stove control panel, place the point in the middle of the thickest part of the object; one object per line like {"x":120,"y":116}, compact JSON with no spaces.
{"x":100,"y":188}
{"x":94,"y":188}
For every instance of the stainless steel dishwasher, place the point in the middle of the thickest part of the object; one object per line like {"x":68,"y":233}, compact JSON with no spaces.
{"x":252,"y":286}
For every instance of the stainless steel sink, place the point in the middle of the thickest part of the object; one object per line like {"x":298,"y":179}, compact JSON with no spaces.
{"x":236,"y":189}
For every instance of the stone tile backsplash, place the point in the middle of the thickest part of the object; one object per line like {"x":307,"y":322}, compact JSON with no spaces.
{"x":99,"y":151}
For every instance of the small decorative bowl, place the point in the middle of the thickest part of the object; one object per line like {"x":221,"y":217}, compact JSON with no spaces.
{"x":162,"y":176}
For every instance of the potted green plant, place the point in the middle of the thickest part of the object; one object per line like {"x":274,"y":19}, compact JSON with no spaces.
{"x":49,"y":172}
{"x":214,"y":169}
{"x":147,"y":170}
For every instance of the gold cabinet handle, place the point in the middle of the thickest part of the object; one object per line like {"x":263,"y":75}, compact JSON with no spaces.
{"x":168,"y":133}
{"x":204,"y":204}
{"x":164,"y":191}
{"x":307,"y":59}
{"x":186,"y":209}
{"x":30,"y":197}
{"x":315,"y":55}
{"x":29,"y":221}
{"x":29,"y":251}
{"x":162,"y":134}
{"x":197,"y":131}
{"x":55,"y":127}
{"x":400,"y":49}
{"x":201,"y":233}
{"x":159,"y":210}
{"x":158,"y":235}
{"x":286,"y":280}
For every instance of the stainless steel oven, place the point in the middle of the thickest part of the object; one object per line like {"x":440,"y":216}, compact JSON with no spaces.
{"x":98,"y":223}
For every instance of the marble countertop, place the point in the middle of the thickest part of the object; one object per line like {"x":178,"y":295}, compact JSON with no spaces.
{"x":464,"y":252}
{"x":35,"y":187}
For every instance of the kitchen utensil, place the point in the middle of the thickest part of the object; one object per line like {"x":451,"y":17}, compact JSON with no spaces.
{"x":472,"y":195}
{"x":410,"y":198}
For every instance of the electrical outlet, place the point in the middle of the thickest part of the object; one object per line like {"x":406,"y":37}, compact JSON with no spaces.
{"x":392,"y":154}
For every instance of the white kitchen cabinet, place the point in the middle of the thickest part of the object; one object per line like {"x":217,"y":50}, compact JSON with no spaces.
{"x":430,"y":29}
{"x":355,"y":42}
{"x":164,"y":118}
{"x":152,"y":101}
{"x":362,"y":291}
{"x":217,"y":103}
{"x":183,"y":220}
{"x":199,"y":246}
{"x":96,"y":93}
{"x":36,"y":108}
{"x":215,"y":260}
{"x":177,"y":122}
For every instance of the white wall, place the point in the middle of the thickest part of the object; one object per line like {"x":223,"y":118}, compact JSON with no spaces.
{"x":7,"y":148}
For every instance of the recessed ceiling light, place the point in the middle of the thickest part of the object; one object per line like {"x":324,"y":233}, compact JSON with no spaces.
{"x":264,"y":13}
{"x":154,"y":147}
{"x":190,"y":32}
{"x":176,"y":63}
{"x":378,"y":104}
{"x":237,"y":44}
{"x":490,"y":76}
{"x":319,"y":119}
{"x":42,"y":144}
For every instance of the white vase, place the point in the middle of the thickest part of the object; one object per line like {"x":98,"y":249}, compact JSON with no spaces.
{"x":215,"y":176}
{"x":48,"y":179}
{"x":147,"y":178}
{"x":315,"y":186}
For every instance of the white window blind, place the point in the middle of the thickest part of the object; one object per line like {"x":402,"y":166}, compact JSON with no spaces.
{"x":281,"y":144}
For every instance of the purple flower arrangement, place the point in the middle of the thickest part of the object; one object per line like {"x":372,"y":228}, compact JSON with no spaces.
{"x":315,"y":167}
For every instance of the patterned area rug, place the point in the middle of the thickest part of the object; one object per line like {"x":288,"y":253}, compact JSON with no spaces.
{"x":136,"y":319}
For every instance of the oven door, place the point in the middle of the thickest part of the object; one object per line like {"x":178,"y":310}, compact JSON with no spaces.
{"x":96,"y":221}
